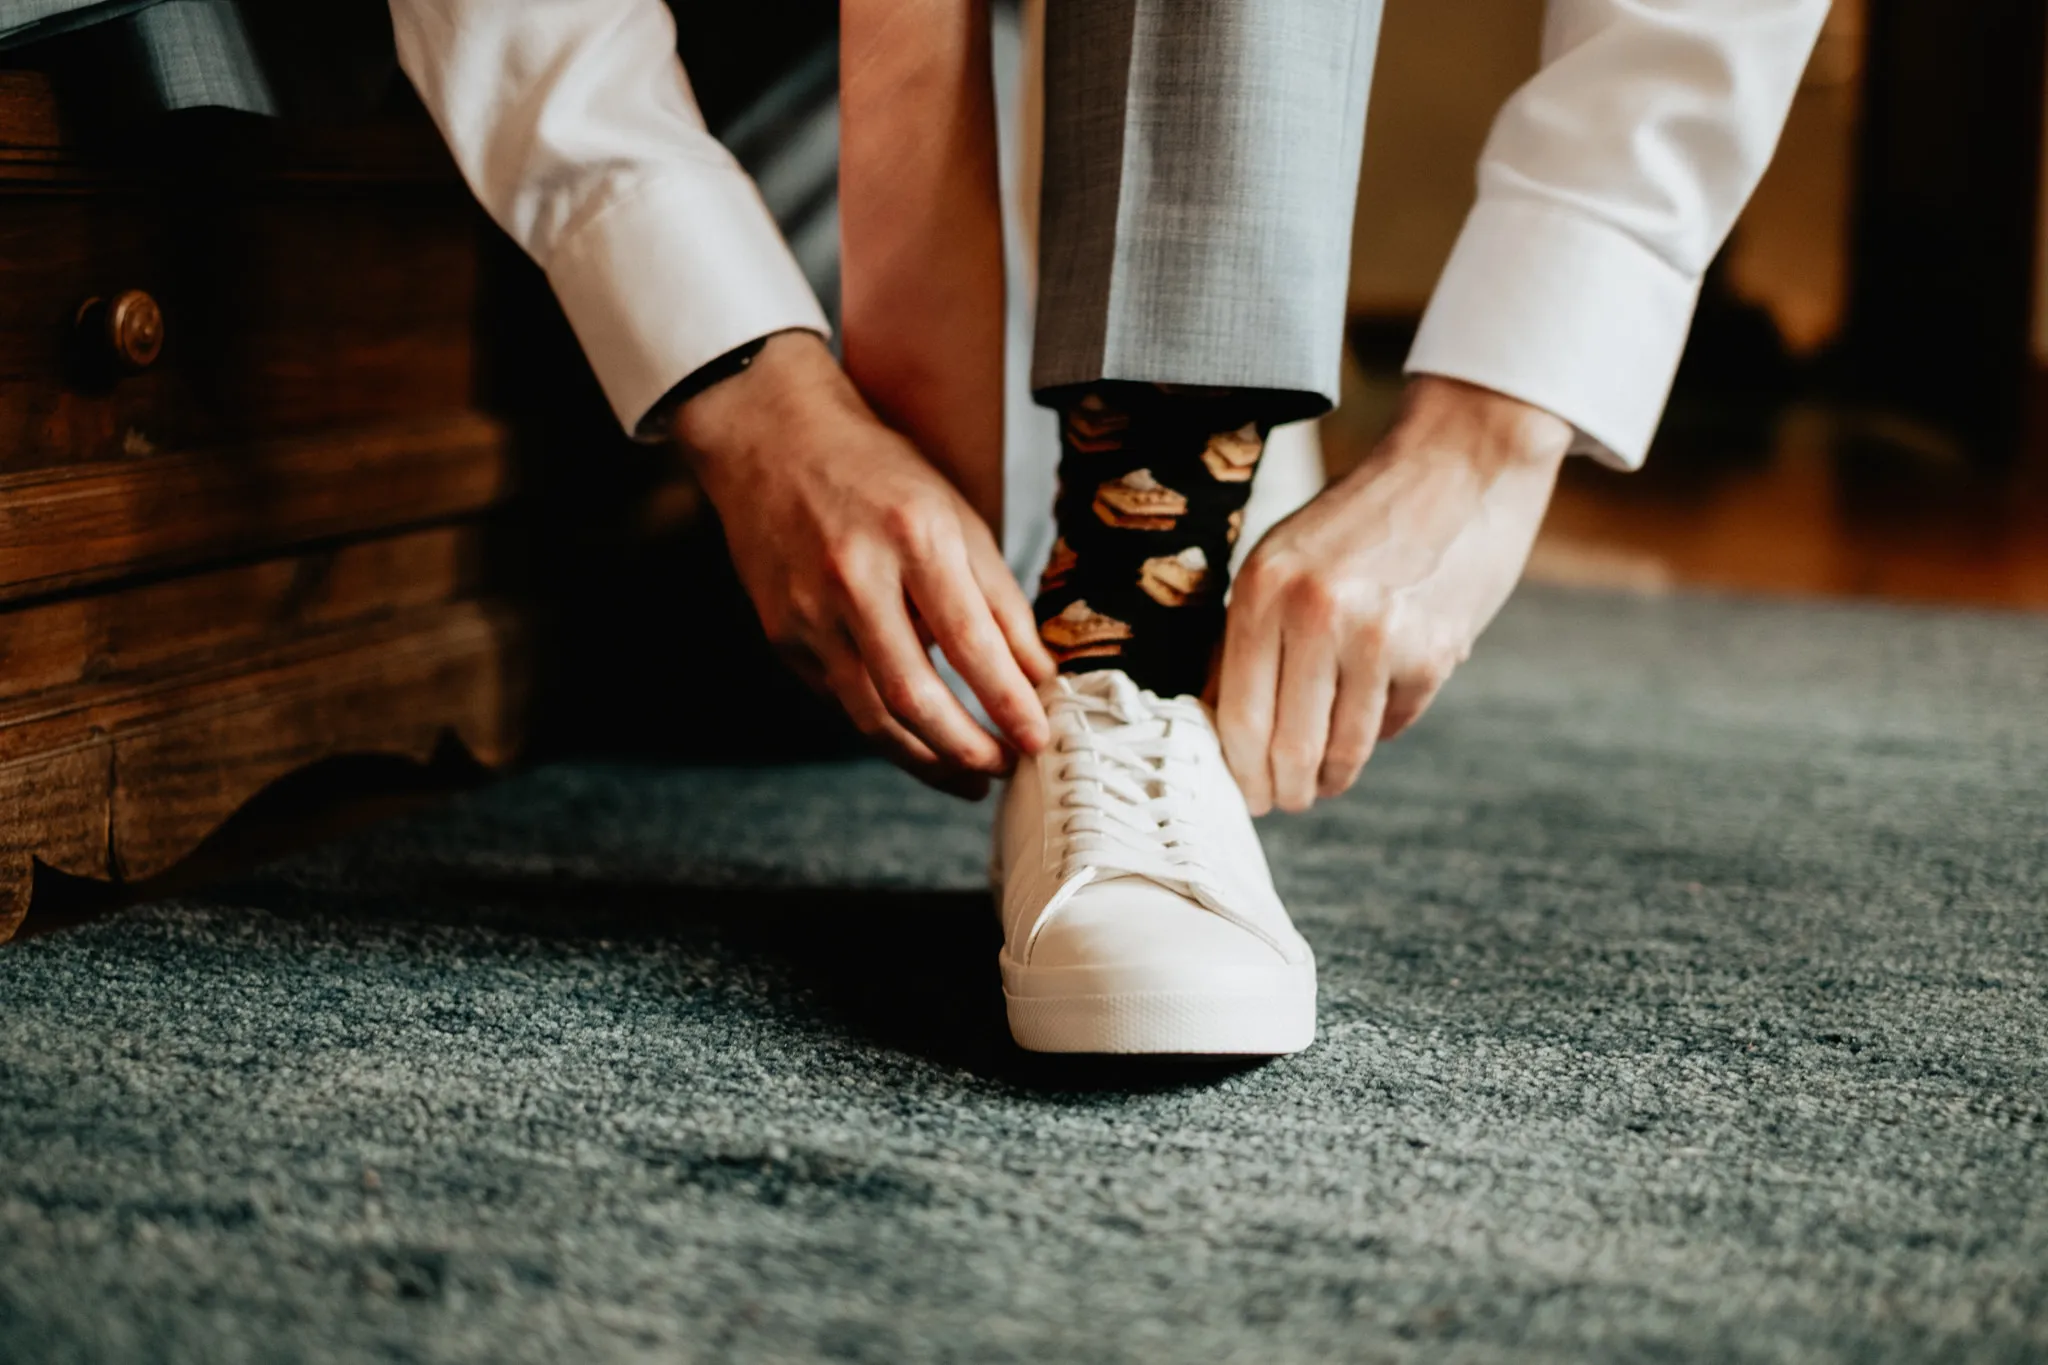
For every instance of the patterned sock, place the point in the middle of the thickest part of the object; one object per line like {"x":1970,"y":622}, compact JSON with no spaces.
{"x":1153,"y":483}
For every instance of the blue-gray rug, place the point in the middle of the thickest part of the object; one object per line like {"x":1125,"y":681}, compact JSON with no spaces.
{"x":1685,"y":996}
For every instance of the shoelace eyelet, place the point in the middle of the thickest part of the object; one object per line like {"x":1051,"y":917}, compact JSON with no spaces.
{"x":1135,"y":789}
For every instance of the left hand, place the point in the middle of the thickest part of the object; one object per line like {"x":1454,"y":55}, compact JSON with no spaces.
{"x":1349,"y":615}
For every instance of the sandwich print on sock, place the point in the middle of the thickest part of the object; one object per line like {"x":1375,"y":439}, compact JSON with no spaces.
{"x":1175,"y":580}
{"x":1152,"y":488}
{"x":1139,"y":502}
{"x":1081,"y":632}
{"x":1230,"y":456}
{"x":1059,"y":566}
{"x":1093,"y":427}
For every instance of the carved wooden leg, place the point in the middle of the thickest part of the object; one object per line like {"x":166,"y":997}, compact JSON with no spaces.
{"x":55,"y":812}
{"x":145,"y":776}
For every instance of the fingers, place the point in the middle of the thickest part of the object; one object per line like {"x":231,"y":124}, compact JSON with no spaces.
{"x":1304,"y":693}
{"x":1012,"y":611}
{"x":946,"y":593}
{"x":1301,"y":726}
{"x":846,"y":678}
{"x":910,"y":688}
{"x":1355,"y":716}
{"x":1246,"y":696}
{"x":1409,"y":695}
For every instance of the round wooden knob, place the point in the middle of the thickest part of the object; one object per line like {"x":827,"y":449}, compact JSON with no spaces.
{"x":127,"y":330}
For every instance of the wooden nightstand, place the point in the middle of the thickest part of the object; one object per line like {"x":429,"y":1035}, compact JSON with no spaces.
{"x":246,"y":481}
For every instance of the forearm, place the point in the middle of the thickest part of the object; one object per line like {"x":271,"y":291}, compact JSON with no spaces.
{"x":574,"y":123}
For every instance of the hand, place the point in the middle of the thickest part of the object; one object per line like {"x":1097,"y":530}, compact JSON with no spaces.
{"x":1350,"y":614}
{"x":859,"y":555}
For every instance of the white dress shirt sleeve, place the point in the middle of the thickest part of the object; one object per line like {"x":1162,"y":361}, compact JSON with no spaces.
{"x":575,"y":125}
{"x":1607,"y":185}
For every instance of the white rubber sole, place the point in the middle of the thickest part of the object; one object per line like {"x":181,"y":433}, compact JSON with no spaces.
{"x":1217,"y":1012}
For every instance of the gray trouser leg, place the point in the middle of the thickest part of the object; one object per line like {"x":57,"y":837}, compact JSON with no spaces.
{"x":1201,"y":167}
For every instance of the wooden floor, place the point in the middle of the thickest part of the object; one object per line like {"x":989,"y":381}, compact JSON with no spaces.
{"x":1810,"y":517}
{"x":1817,"y":501}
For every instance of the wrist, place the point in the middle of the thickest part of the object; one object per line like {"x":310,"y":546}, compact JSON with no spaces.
{"x":1492,"y":429}
{"x":793,"y":382}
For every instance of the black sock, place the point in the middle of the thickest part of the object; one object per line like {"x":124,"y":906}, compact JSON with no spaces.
{"x":1153,"y":483}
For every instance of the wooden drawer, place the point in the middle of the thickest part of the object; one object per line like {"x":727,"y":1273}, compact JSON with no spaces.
{"x":298,"y":291}
{"x":284,"y":311}
{"x":189,"y":623}
{"x":69,"y":527}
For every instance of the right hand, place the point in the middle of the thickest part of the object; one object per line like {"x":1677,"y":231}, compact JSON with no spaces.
{"x":858,"y":554}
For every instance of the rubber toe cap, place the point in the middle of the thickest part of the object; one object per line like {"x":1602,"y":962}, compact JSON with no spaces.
{"x":1131,"y":920}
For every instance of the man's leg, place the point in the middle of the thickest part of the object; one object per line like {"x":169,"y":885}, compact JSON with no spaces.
{"x":1201,"y":165}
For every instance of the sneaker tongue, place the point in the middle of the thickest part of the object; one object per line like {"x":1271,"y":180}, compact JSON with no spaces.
{"x":1121,"y":693}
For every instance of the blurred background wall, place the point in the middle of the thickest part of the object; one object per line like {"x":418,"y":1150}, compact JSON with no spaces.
{"x":1447,"y":68}
{"x":1860,"y":407}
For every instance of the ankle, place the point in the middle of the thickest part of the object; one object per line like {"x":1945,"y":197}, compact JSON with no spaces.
{"x":1154,"y":481}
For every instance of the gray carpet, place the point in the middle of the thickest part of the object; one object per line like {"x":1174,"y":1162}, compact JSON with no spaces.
{"x":1685,"y":997}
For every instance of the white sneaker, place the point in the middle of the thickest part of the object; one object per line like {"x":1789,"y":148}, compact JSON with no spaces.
{"x":1138,"y":912}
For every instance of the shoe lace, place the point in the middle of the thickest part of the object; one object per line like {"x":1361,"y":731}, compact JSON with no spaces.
{"x":1125,"y":806}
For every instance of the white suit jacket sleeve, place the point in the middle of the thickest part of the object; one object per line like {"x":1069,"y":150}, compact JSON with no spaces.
{"x":1607,"y":185}
{"x":574,"y":124}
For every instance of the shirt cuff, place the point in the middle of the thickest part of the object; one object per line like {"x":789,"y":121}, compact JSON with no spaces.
{"x":672,"y":274}
{"x":1544,"y":304}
